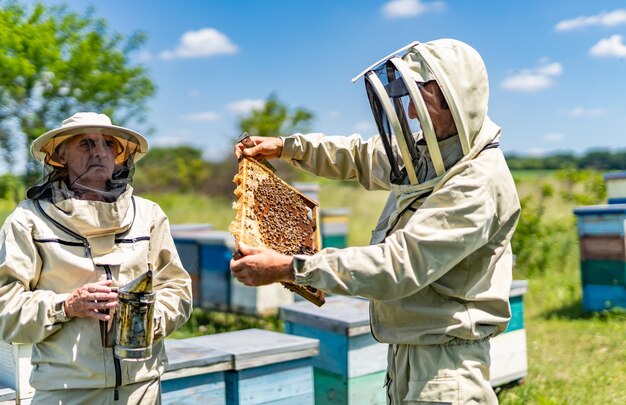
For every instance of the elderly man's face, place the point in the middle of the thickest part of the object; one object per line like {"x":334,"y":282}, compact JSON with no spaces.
{"x":89,"y":159}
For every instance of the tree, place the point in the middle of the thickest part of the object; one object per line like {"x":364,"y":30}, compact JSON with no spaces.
{"x":55,"y":63}
{"x":274,"y":119}
{"x":180,"y":169}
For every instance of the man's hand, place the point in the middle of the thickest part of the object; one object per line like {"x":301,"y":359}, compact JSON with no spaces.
{"x":88,"y":300}
{"x":261,"y":266}
{"x":265,"y":147}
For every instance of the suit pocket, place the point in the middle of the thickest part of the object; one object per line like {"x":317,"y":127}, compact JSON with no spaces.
{"x":439,"y":391}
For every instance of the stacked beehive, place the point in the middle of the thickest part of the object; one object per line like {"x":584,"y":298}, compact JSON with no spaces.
{"x":351,"y":366}
{"x":602,"y":237}
{"x":602,"y":255}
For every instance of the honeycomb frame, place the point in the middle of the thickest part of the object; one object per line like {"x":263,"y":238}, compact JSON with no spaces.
{"x":271,"y":213}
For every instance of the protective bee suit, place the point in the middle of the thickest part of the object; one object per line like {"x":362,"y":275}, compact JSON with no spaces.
{"x":54,"y":242}
{"x":438,"y":269}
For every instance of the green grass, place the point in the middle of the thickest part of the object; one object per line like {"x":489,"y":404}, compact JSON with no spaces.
{"x":573,"y":357}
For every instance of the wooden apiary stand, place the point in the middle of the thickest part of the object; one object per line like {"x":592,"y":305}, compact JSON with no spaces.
{"x":351,"y":366}
{"x":602,"y":238}
{"x":267,"y":367}
{"x":194,"y":374}
{"x":15,"y":371}
{"x":508,"y":350}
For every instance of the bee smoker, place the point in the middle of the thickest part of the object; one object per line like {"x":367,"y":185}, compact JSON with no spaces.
{"x":134,"y":318}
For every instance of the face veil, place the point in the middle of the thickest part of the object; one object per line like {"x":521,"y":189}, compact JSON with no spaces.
{"x":396,"y":90}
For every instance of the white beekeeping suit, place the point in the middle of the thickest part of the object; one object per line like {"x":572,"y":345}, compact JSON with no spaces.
{"x":69,"y":234}
{"x":438,"y":270}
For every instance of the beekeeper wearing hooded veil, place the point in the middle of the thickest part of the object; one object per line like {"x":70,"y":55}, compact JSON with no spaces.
{"x":81,"y":234}
{"x":438,"y":269}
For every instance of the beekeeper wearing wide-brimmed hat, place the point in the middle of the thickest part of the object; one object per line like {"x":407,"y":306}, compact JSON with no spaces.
{"x":438,"y":269}
{"x":80,"y":234}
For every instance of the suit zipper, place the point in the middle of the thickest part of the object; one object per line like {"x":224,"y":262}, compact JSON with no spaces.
{"x":116,"y":361}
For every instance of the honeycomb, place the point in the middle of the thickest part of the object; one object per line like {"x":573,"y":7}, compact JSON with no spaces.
{"x":272,"y":214}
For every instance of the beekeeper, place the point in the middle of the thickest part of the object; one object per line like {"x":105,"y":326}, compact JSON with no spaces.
{"x":80,"y":233}
{"x":438,"y":269}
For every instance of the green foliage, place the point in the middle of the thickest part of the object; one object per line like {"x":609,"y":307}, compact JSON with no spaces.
{"x":597,"y":159}
{"x":274,"y":119}
{"x":55,"y":63}
{"x":177,"y":169}
{"x":11,"y":188}
{"x":205,"y":322}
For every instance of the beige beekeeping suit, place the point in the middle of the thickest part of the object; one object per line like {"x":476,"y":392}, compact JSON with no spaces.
{"x":49,"y":250}
{"x":438,"y":270}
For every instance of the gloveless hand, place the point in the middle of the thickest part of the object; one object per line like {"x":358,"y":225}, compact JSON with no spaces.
{"x":88,"y":300}
{"x":265,"y":147}
{"x":261,"y":266}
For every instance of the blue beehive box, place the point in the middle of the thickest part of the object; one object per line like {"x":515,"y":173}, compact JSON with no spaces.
{"x":334,"y":227}
{"x":509,"y":362}
{"x":351,"y":366}
{"x":206,"y":256}
{"x":268,"y":367}
{"x":194,"y":374}
{"x":601,"y":233}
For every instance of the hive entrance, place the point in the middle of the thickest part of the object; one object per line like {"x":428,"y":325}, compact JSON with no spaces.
{"x":273,"y":214}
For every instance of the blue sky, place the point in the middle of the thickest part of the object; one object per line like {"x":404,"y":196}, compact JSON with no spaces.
{"x":557,"y":69}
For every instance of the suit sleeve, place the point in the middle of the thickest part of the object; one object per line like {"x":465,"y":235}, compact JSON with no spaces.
{"x":340,"y":158}
{"x":451,"y":224}
{"x":26,"y":314}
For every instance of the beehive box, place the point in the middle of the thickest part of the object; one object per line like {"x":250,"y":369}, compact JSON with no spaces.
{"x":351,"y":366}
{"x":206,"y":256}
{"x":616,"y":187}
{"x":509,"y":361}
{"x":267,"y":367}
{"x":194,"y":374}
{"x":601,"y":233}
{"x":7,"y":396}
{"x":272,"y":214}
{"x":15,"y":369}
{"x":335,"y":227}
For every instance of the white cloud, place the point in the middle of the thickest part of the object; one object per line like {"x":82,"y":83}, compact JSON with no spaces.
{"x":585,"y":112}
{"x":536,"y":152}
{"x":611,"y":19}
{"x":553,"y":137}
{"x":246,"y":106}
{"x":144,"y":57}
{"x":364,"y":127}
{"x":165,"y":141}
{"x":532,"y":80}
{"x":202,"y":43}
{"x":207,"y":116}
{"x":334,"y":115}
{"x":409,"y":8}
{"x":612,"y":47}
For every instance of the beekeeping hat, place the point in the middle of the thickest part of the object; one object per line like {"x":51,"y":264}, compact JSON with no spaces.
{"x":130,"y":143}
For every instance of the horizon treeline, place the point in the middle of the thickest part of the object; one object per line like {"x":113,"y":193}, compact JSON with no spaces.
{"x":596,"y":159}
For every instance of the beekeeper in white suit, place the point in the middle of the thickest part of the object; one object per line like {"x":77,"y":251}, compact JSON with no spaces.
{"x":438,"y":269}
{"x":80,"y":233}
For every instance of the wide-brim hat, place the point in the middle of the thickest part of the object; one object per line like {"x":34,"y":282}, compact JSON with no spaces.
{"x":131,"y":143}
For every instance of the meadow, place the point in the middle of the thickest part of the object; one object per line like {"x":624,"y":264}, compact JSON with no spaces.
{"x":573,"y":357}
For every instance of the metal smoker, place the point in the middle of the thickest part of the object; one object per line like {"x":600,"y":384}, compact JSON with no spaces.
{"x":134,"y":319}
